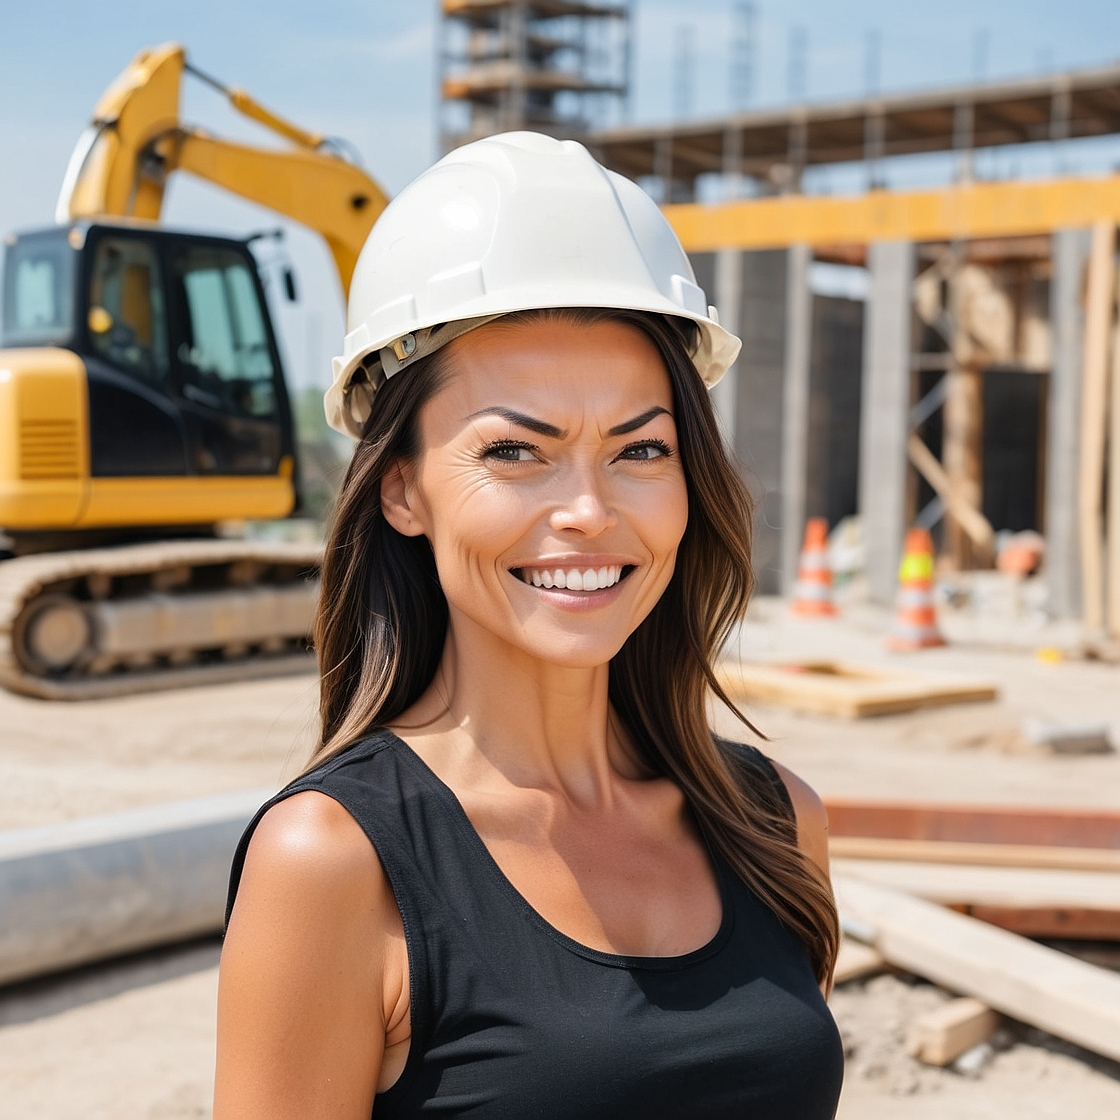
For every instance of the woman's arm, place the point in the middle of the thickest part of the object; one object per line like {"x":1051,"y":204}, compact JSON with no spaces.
{"x":313,"y":986}
{"x":812,"y":817}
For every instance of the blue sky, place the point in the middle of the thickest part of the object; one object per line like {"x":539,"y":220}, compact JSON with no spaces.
{"x":365,"y":70}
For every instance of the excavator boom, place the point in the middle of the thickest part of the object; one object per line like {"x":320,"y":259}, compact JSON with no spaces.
{"x":136,"y":140}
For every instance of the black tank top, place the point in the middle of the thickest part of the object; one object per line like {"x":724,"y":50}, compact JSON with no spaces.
{"x":512,"y":1020}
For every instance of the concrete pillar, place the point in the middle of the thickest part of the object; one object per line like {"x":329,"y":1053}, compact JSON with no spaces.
{"x":727,"y":297}
{"x":758,"y":403}
{"x":1069,"y":254}
{"x":884,"y":413}
{"x":795,"y":409}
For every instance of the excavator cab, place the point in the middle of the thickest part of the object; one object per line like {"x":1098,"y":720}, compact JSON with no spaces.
{"x":175,"y":412}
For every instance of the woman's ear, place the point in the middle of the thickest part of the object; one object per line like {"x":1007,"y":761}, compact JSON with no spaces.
{"x":397,"y":504}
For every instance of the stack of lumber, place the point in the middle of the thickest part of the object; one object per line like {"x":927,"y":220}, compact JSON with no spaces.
{"x":927,"y":888}
{"x":1038,"y":872}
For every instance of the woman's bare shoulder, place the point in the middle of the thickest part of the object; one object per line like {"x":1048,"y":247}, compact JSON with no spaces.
{"x":309,"y":832}
{"x":310,"y":867}
{"x":812,"y":817}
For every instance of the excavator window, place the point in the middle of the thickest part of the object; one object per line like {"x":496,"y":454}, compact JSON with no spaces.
{"x":225,"y":357}
{"x":131,"y":329}
{"x":38,"y":290}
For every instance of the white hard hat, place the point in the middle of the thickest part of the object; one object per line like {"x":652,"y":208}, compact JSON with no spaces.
{"x":509,"y":223}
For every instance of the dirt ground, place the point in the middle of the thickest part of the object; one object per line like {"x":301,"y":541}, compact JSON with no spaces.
{"x":61,"y":761}
{"x":135,"y":1039}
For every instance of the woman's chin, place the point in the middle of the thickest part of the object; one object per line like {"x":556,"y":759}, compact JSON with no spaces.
{"x":567,"y":650}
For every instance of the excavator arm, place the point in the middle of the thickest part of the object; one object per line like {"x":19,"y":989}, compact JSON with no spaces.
{"x":135,"y":140}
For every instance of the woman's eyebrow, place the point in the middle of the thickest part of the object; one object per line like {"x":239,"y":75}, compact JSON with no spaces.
{"x":543,"y":428}
{"x":629,"y":426}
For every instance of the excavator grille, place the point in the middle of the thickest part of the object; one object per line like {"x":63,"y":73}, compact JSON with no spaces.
{"x":48,"y":449}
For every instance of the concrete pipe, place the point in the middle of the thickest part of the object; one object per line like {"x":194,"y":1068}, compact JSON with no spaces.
{"x":94,"y":888}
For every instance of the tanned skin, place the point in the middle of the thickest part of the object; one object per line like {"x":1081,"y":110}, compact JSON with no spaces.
{"x":551,"y":446}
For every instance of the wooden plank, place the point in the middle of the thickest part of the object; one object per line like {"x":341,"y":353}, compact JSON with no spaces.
{"x":856,"y":961}
{"x":963,"y":852}
{"x":1016,"y":887}
{"x":1094,"y":413}
{"x":941,"y":1036}
{"x":1075,"y":923}
{"x":846,"y":690}
{"x":957,"y":502}
{"x":962,"y":451}
{"x":982,"y":824}
{"x":1052,"y":991}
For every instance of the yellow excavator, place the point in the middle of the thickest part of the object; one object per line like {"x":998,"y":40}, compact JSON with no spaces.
{"x":143,"y":403}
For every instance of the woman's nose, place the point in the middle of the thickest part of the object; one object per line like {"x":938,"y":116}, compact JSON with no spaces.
{"x":586,"y":509}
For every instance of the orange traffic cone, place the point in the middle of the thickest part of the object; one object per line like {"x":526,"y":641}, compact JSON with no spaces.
{"x":915,"y":623}
{"x":812,"y":597}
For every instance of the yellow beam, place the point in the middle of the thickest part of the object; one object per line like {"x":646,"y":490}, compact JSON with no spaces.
{"x":966,"y":212}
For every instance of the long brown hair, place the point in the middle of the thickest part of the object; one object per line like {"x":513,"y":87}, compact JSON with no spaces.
{"x":382,"y":624}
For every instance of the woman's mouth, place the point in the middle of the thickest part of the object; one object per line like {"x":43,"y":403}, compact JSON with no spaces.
{"x":574,"y":579}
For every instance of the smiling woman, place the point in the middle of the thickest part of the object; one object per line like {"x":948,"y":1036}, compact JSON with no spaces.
{"x":521,"y":877}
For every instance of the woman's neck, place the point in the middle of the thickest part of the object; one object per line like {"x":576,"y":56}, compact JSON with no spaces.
{"x":492,"y":706}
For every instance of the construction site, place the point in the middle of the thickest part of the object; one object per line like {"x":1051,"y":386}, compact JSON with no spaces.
{"x":925,"y":409}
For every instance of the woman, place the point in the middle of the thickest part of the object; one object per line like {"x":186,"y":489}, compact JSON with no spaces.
{"x":521,"y":877}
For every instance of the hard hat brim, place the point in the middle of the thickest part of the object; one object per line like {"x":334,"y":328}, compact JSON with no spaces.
{"x":350,"y":398}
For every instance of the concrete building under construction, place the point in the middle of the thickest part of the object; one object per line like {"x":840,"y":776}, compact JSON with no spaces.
{"x":555,"y":66}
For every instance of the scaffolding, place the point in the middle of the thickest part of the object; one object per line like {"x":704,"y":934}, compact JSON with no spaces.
{"x":555,"y":66}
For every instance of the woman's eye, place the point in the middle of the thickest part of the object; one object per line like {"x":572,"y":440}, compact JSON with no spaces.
{"x":651,"y":449}
{"x":510,"y":452}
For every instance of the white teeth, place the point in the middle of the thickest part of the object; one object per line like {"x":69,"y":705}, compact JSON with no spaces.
{"x":574,"y":579}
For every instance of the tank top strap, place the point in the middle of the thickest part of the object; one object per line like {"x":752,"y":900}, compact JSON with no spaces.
{"x":759,"y":772}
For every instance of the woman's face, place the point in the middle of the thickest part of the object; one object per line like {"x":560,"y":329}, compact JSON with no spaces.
{"x":549,"y":485}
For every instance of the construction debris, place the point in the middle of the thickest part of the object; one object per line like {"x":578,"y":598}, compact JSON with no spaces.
{"x":941,"y":1036}
{"x":1063,"y":738}
{"x":1012,"y":975}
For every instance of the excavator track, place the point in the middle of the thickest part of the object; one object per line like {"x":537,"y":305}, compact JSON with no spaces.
{"x":103,"y":622}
